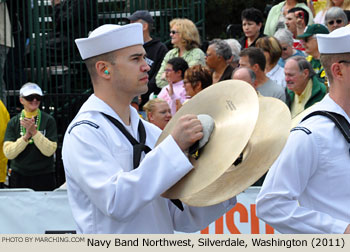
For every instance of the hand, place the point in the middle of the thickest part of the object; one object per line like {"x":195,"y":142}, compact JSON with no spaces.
{"x":170,"y":90}
{"x":178,"y":104}
{"x":187,"y":131}
{"x":27,"y":136}
{"x":347,"y":230}
{"x":29,"y":125}
{"x":300,"y":19}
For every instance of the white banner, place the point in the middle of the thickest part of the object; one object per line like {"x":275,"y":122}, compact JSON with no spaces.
{"x":24,"y":211}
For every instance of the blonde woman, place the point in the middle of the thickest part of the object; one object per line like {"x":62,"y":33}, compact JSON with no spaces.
{"x":158,"y":112}
{"x":320,"y":17}
{"x":185,"y":39}
{"x":273,"y":51}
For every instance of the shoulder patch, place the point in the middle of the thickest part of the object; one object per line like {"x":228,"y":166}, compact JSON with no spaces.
{"x":83,"y":122}
{"x":306,"y":130}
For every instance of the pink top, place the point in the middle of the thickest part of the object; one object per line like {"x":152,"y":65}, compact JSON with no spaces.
{"x":179,"y":94}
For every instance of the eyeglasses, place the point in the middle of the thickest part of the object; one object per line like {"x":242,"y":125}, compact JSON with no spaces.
{"x":173,"y":32}
{"x":32,"y":97}
{"x":338,"y":21}
{"x":344,"y":61}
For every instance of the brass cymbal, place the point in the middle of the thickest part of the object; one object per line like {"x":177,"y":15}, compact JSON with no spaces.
{"x":234,"y":106}
{"x":264,"y":146}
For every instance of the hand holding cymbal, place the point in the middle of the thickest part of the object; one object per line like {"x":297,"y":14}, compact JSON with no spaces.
{"x":187,"y":131}
{"x":234,"y":107}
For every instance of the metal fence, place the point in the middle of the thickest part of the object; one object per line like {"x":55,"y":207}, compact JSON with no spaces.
{"x":43,"y":51}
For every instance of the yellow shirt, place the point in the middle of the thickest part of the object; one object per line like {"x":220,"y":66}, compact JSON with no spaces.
{"x":4,"y":118}
{"x":319,"y":5}
{"x":300,"y":101}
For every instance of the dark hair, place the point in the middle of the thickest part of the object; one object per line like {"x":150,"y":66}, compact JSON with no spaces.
{"x":199,"y":73}
{"x":255,"y":55}
{"x":306,"y":14}
{"x":179,"y":63}
{"x":252,"y":14}
{"x":347,"y":13}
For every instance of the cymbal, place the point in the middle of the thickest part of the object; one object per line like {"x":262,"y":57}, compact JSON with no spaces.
{"x":264,"y":146}
{"x":234,"y":106}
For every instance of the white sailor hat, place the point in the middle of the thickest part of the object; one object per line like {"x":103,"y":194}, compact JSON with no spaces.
{"x":336,"y":42}
{"x":108,"y":38}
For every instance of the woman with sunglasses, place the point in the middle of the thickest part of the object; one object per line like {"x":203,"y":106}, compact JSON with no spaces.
{"x":320,"y":16}
{"x":30,"y":142}
{"x":285,"y":37}
{"x":335,"y":18}
{"x":185,"y":39}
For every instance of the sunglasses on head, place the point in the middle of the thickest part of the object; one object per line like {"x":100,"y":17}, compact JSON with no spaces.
{"x":338,"y":21}
{"x":32,"y":97}
{"x":173,"y":32}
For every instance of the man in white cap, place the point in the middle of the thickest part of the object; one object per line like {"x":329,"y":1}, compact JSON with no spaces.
{"x":307,"y":189}
{"x":113,"y":187}
{"x":30,"y":142}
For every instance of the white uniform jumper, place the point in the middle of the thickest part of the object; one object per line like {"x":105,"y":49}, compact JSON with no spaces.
{"x":108,"y":196}
{"x":307,"y":189}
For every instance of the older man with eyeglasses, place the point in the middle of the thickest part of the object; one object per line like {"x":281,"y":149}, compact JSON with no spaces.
{"x":309,"y":42}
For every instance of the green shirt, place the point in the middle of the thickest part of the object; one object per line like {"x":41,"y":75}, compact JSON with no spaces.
{"x":318,"y":68}
{"x":318,"y":91}
{"x":31,"y":161}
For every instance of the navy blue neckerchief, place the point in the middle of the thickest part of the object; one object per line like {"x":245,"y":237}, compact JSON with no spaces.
{"x":138,"y":147}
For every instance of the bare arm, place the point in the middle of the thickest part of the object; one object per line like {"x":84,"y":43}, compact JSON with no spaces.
{"x":347,"y":230}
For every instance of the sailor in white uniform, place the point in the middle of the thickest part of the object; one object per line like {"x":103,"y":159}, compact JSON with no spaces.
{"x":113,"y":187}
{"x":307,"y":189}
